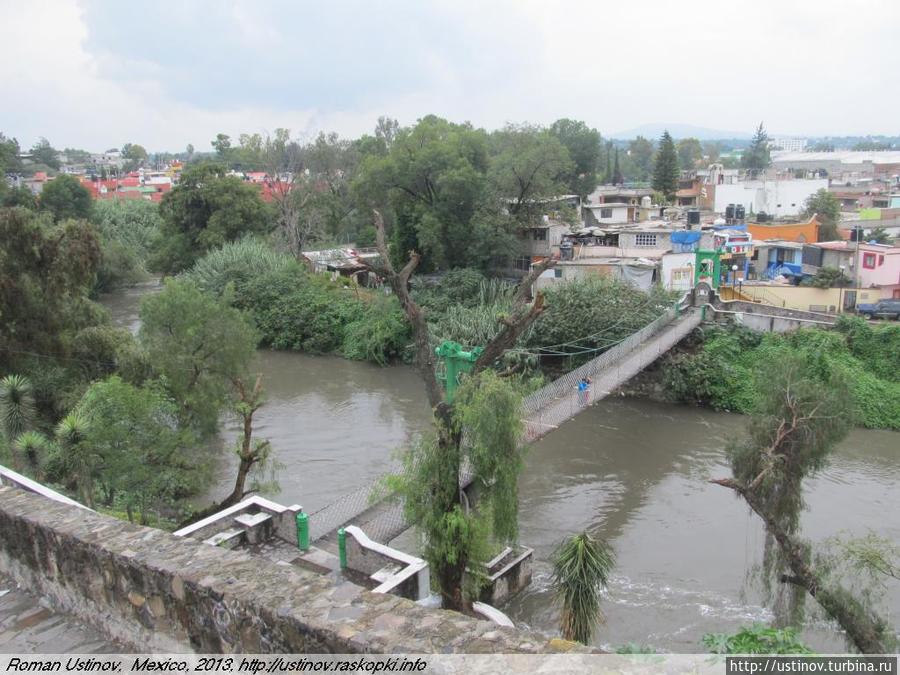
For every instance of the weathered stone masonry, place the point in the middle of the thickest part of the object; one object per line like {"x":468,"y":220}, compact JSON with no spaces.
{"x":157,"y":592}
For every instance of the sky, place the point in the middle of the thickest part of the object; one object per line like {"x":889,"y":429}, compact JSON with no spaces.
{"x":96,"y":74}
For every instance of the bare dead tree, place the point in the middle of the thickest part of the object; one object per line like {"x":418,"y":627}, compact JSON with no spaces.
{"x":446,"y":491}
{"x":798,"y":423}
{"x":250,"y":453}
{"x":863,"y":628}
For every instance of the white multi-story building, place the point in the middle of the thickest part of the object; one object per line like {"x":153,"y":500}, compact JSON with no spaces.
{"x":788,"y":144}
{"x":779,"y":198}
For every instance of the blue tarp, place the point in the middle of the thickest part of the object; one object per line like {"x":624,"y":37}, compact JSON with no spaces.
{"x":685,"y":237}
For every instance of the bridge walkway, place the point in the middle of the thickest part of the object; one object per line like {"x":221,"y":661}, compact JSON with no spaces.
{"x":380,"y":515}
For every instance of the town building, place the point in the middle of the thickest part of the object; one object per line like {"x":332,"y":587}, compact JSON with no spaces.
{"x":776,"y":198}
{"x":841,"y":166}
{"x":803,"y":232}
{"x":776,"y":258}
{"x":788,"y":144}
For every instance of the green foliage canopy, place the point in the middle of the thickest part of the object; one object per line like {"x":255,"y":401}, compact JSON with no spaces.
{"x":198,"y":344}
{"x":205,"y":210}
{"x":65,"y":197}
{"x":665,"y":167}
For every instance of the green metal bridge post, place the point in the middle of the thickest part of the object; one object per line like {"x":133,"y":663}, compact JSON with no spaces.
{"x":456,"y":362}
{"x":303,"y":531}
{"x":342,"y":547}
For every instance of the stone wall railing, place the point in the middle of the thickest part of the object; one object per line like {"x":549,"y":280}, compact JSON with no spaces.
{"x":394,"y":571}
{"x":157,"y":592}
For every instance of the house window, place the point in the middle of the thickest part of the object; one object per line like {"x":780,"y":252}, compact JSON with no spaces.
{"x":606,"y":213}
{"x":681,"y":274}
{"x":880,"y":260}
{"x":539,"y":235}
{"x":644,"y":239}
{"x":557,"y":273}
{"x":869,"y":261}
{"x":523,"y":263}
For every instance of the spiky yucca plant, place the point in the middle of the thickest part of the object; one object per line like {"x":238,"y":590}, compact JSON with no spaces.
{"x":33,"y":447}
{"x":76,"y":455}
{"x":16,"y":405}
{"x":581,"y":567}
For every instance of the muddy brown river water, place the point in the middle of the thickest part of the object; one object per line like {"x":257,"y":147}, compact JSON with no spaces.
{"x":632,"y":471}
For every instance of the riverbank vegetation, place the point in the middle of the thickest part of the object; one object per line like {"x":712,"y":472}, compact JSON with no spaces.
{"x":720,"y":372}
{"x":798,"y":418}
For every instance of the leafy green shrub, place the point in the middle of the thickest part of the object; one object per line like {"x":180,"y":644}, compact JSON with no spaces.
{"x":756,"y":639}
{"x":239,"y":263}
{"x":721,"y":373}
{"x":594,"y":312}
{"x":380,"y":334}
{"x":128,"y":230}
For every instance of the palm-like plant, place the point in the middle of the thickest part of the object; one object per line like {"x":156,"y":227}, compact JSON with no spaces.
{"x":16,"y":405}
{"x":581,"y":567}
{"x":33,"y":446}
{"x":76,"y":455}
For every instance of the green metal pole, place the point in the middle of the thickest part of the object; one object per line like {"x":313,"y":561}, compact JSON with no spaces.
{"x":303,"y":531}
{"x":342,"y":548}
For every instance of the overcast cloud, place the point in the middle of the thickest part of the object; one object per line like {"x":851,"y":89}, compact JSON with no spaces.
{"x":97,"y":74}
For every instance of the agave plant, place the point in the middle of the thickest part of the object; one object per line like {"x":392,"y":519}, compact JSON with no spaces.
{"x":16,"y":405}
{"x":76,"y":455}
{"x":581,"y":567}
{"x":33,"y":446}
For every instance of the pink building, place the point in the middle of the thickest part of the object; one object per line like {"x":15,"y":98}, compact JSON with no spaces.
{"x":879,"y":268}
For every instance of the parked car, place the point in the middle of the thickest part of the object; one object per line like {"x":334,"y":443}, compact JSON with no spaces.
{"x":883,"y":309}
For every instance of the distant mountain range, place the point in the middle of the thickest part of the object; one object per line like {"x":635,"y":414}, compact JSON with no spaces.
{"x":655,"y":130}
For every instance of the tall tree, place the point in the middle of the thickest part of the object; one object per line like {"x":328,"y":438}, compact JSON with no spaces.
{"x":134,"y":155}
{"x":757,"y":159}
{"x":584,"y":145}
{"x":799,"y":420}
{"x":44,"y":153}
{"x":222,"y":146}
{"x":65,"y":197}
{"x":434,"y":180}
{"x":9,"y":156}
{"x":200,"y":345}
{"x":827,"y":210}
{"x":608,"y":174}
{"x":617,"y":178}
{"x":640,"y":150}
{"x":711,"y":151}
{"x":46,"y":271}
{"x":529,"y":167}
{"x":205,"y":210}
{"x":690,"y":153}
{"x":451,"y":531}
{"x":665,"y":167}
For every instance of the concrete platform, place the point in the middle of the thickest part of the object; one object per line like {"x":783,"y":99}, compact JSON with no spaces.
{"x":28,"y":626}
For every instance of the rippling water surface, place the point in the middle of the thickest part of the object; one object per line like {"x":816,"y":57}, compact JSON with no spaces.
{"x":631,"y":471}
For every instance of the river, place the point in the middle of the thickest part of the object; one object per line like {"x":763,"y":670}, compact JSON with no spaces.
{"x":634,"y":472}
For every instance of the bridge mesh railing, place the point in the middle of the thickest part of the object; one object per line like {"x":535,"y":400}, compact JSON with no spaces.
{"x":371,"y":506}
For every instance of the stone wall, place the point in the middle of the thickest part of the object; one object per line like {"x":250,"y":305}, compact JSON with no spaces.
{"x":157,"y":592}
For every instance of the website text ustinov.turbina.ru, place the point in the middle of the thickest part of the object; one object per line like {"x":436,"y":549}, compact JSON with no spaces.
{"x":757,"y":665}
{"x":445,"y":664}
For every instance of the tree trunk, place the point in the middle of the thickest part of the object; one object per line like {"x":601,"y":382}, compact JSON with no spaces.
{"x":448,"y":498}
{"x":863,"y":629}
